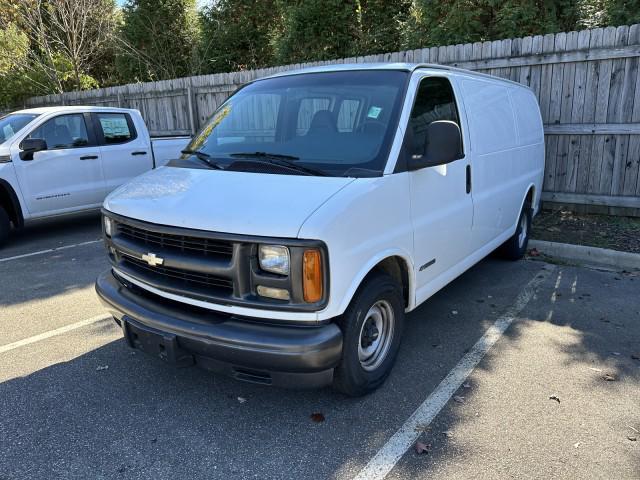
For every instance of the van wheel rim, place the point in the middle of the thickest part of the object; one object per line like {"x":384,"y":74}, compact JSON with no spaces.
{"x":522,"y":238}
{"x":376,"y":334}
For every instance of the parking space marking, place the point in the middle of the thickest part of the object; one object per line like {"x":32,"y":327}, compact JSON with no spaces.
{"x":53,"y":333}
{"x":49,"y":250}
{"x":392,"y":451}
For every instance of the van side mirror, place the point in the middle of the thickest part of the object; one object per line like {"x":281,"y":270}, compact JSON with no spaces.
{"x":443,"y":144}
{"x":30,"y":146}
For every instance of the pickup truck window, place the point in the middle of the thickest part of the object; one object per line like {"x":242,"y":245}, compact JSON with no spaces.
{"x":116,"y":127}
{"x":434,"y":101}
{"x":11,"y":124}
{"x":336,"y":123}
{"x":63,"y":131}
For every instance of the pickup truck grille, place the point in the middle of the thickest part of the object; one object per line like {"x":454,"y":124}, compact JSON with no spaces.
{"x":176,"y":243}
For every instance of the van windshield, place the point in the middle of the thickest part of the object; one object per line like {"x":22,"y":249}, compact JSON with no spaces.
{"x":13,"y":123}
{"x":332,"y":123}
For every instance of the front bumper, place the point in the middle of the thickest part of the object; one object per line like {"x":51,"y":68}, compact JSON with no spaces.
{"x":286,"y":356}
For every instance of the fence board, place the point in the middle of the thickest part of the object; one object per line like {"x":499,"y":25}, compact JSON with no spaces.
{"x":587,"y":84}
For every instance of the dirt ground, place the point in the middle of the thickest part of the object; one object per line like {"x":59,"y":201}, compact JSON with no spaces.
{"x":617,"y":233}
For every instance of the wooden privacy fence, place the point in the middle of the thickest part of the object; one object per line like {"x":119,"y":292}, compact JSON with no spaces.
{"x":587,"y":84}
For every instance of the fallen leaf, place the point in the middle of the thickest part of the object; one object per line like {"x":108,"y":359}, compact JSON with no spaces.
{"x":595,"y":369}
{"x":458,"y":399}
{"x":102,"y":367}
{"x":615,"y":353}
{"x":422,"y":448}
{"x":466,"y":385}
{"x":576,"y":445}
{"x":242,"y":399}
{"x":534,"y":252}
{"x":447,"y":434}
{"x":610,"y":377}
{"x":553,"y":397}
{"x":317,"y":417}
{"x":632,"y":438}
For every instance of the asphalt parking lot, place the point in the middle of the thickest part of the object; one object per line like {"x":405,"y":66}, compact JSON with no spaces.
{"x":75,"y":402}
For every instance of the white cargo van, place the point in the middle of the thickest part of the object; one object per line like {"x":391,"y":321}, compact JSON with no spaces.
{"x":63,"y":160}
{"x":313,"y":211}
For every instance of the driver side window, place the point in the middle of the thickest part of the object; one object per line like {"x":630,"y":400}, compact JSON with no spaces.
{"x":64,"y":131}
{"x":434,"y":101}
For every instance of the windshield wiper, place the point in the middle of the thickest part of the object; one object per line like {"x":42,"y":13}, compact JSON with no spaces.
{"x":286,"y":161}
{"x":203,"y":157}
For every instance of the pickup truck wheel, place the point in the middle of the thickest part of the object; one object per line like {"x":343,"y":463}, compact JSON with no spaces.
{"x":516,"y":246}
{"x":372,"y":329}
{"x":5,"y":226}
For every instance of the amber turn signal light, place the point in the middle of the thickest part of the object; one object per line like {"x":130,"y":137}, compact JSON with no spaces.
{"x":312,"y":276}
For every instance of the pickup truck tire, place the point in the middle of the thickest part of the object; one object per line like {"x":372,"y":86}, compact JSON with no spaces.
{"x":372,"y":330}
{"x":516,"y":246}
{"x":5,"y":226}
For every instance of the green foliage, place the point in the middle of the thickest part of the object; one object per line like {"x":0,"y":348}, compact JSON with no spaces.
{"x":238,"y":34}
{"x":380,"y":25}
{"x":14,"y":47}
{"x":159,"y":40}
{"x":317,"y":30}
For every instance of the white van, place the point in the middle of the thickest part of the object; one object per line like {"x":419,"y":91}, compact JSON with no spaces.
{"x":313,"y":211}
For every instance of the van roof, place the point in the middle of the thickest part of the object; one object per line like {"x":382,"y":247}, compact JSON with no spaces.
{"x":408,"y":67}
{"x":71,"y":109}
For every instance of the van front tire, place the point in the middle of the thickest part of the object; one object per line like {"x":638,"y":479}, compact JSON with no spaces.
{"x":372,"y":330}
{"x":516,"y":246}
{"x":5,"y":227}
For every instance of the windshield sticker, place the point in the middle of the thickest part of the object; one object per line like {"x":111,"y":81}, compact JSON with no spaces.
{"x":374,"y":112}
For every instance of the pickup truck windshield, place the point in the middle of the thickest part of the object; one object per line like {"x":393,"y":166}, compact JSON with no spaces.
{"x":12,"y":123}
{"x":332,"y":123}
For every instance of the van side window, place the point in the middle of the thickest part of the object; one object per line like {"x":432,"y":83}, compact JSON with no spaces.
{"x":434,"y":101}
{"x":63,"y":131}
{"x":116,"y":127}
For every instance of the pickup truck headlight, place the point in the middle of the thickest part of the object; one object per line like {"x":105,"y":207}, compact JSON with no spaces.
{"x":274,"y":259}
{"x":108,"y":226}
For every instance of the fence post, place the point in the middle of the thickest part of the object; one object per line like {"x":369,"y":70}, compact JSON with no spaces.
{"x":190,"y":103}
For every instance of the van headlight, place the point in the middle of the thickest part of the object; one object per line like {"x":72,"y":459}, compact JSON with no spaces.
{"x":108,"y":226}
{"x":274,"y":259}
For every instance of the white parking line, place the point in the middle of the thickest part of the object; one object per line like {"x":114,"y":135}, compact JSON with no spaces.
{"x":53,"y":333}
{"x":49,"y":250}
{"x":392,"y":451}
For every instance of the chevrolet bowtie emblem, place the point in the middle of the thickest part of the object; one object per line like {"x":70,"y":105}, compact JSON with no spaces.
{"x":152,"y":260}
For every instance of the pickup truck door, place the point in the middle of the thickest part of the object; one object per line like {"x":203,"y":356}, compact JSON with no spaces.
{"x":126,"y":151}
{"x":441,"y":203}
{"x":68,"y":175}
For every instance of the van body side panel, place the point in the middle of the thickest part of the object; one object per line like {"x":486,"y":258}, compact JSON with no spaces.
{"x":361,"y":225}
{"x":502,"y":167}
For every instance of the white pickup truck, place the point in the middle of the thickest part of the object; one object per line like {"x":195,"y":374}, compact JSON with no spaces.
{"x":61,"y":160}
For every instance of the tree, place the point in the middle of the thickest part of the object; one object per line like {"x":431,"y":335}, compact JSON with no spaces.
{"x":317,"y":30}
{"x":159,"y":40}
{"x":380,"y":22}
{"x":66,"y":38}
{"x":239,"y":34}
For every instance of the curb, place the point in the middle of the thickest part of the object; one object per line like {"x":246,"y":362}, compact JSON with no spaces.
{"x":589,"y":255}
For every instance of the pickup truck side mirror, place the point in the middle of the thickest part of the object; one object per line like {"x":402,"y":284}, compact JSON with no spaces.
{"x":30,"y":146}
{"x":443,"y":144}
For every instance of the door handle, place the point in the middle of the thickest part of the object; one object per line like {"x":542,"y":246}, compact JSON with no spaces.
{"x":138,"y":153}
{"x":468,"y":178}
{"x":89,"y":157}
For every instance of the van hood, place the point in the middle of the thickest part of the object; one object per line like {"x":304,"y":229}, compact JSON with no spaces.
{"x":227,"y":202}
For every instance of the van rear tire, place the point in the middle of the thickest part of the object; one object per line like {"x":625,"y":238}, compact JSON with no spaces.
{"x":5,"y":227}
{"x":516,"y":246}
{"x":371,"y":330}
